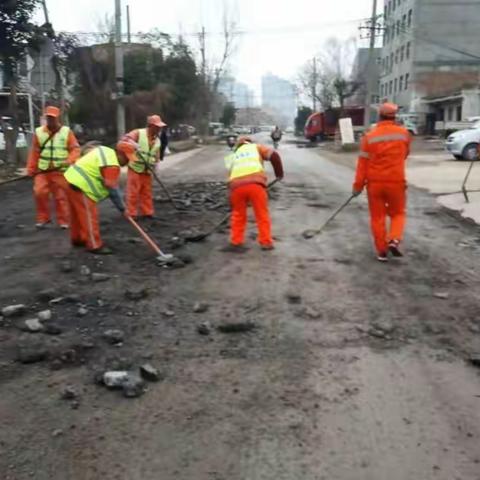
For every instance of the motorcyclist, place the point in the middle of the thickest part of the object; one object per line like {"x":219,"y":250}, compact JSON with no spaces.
{"x":276,"y":136}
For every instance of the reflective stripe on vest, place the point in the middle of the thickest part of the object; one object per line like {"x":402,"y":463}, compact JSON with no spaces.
{"x":86,"y":173}
{"x":146,"y":153}
{"x":245,"y":161}
{"x":55,"y":150}
{"x":388,"y":138}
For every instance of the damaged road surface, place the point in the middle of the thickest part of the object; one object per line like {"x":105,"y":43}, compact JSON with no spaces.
{"x":308,"y":362}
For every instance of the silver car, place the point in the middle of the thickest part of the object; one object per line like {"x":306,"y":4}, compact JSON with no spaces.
{"x":463,"y":145}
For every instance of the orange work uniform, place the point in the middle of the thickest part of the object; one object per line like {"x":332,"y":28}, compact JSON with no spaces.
{"x":251,"y":189}
{"x":51,"y":181}
{"x":139,"y":197}
{"x":381,"y":167}
{"x":84,"y":225}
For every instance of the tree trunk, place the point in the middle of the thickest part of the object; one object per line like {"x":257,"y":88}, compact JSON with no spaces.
{"x":10,"y":129}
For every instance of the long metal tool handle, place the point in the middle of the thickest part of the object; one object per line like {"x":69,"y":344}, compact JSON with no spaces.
{"x":334,"y":214}
{"x":464,"y":184}
{"x":155,"y":176}
{"x":145,"y":236}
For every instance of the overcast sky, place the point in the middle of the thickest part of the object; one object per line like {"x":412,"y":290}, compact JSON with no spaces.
{"x":279,"y":35}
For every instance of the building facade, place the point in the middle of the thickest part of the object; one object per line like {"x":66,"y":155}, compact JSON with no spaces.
{"x":279,"y":95}
{"x":236,"y":92}
{"x":430,"y":48}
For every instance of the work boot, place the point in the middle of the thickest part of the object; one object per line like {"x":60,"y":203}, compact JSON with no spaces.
{"x":267,"y":247}
{"x":102,"y":251}
{"x":393,"y":247}
{"x":63,"y":226}
{"x":78,"y":243}
{"x":231,"y":248}
{"x":382,"y":257}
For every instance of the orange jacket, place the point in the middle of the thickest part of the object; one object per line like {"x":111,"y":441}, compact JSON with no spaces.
{"x":266,"y":154}
{"x":383,"y":154}
{"x":34,"y":155}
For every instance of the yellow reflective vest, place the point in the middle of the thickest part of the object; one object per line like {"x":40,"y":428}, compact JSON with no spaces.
{"x":55,"y":149}
{"x":86,"y":173}
{"x":245,"y":161}
{"x":145,"y":153}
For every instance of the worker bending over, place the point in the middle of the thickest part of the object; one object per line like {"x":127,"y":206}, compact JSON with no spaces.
{"x":247,"y":183}
{"x":381,"y":168}
{"x":54,"y":148}
{"x":139,"y":179}
{"x":92,"y":179}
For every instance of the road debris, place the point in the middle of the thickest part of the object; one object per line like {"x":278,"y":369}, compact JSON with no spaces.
{"x":204,"y":328}
{"x":85,"y":271}
{"x":99,"y":277}
{"x":136,"y":294}
{"x":150,"y":373}
{"x":32,"y":325}
{"x":236,"y":327}
{"x":44,"y":315}
{"x":442,"y":295}
{"x":293,"y":298}
{"x":13,"y":310}
{"x":114,"y":336}
{"x":201,"y":307}
{"x":69,"y":393}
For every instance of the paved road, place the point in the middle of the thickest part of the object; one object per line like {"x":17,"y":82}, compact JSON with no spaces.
{"x":356,"y":370}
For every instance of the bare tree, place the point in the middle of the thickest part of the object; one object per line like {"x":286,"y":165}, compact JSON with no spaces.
{"x":328,"y":80}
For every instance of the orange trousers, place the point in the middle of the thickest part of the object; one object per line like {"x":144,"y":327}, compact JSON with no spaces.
{"x":46,"y":185}
{"x":139,"y":193}
{"x":387,"y":199}
{"x":84,"y":228}
{"x":240,"y":198}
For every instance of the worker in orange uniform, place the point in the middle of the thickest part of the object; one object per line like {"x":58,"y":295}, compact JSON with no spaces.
{"x":92,"y":179}
{"x":247,"y":184}
{"x":381,"y":167}
{"x":54,"y":148}
{"x":139,"y":179}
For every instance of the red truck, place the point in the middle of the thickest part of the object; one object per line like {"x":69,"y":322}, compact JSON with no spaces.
{"x":322,"y":125}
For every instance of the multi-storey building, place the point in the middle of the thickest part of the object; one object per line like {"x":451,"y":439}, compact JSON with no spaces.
{"x":430,"y":48}
{"x":279,"y":94}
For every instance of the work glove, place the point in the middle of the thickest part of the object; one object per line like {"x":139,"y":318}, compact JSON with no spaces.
{"x":116,"y":199}
{"x":356,"y":193}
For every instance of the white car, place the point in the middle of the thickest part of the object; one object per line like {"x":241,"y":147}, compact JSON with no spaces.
{"x":21,"y":140}
{"x":464,"y":143}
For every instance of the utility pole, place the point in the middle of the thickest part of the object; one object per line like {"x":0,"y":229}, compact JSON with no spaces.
{"x":119,"y":69}
{"x":371,"y":66}
{"x":314,"y":84}
{"x":129,"y":37}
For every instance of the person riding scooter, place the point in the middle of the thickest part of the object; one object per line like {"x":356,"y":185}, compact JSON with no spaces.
{"x":276,"y":136}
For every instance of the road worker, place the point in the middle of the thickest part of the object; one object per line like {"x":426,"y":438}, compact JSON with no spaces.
{"x":247,"y":183}
{"x":381,"y":168}
{"x":93,"y":178}
{"x":139,"y":179}
{"x":54,"y":148}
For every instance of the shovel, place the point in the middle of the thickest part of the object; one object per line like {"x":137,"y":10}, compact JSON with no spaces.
{"x":312,"y":233}
{"x":160,"y":255}
{"x":203,"y":236}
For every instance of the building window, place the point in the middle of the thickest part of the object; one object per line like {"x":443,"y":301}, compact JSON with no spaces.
{"x":390,"y":87}
{"x":395,"y":85}
{"x":400,"y":84}
{"x":408,"y":50}
{"x":392,"y":31}
{"x":459,"y":113}
{"x":391,"y":62}
{"x":398,"y":28}
{"x":381,"y":90}
{"x":407,"y":81}
{"x":393,"y":6}
{"x":402,"y":53}
{"x":386,"y":36}
{"x":450,"y":114}
{"x":410,"y":15}
{"x":404,"y":23}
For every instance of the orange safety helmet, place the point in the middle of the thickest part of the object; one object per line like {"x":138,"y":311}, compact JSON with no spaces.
{"x":388,"y":110}
{"x":243,"y":140}
{"x":52,"y":111}
{"x":128,"y":149}
{"x":156,"y":120}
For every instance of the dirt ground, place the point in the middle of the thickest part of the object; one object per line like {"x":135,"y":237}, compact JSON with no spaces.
{"x":353,"y":371}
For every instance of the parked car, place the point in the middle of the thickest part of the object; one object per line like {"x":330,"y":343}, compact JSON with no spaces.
{"x":463,"y":145}
{"x":21,"y":140}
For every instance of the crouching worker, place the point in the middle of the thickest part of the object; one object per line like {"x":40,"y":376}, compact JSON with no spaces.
{"x":93,"y":178}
